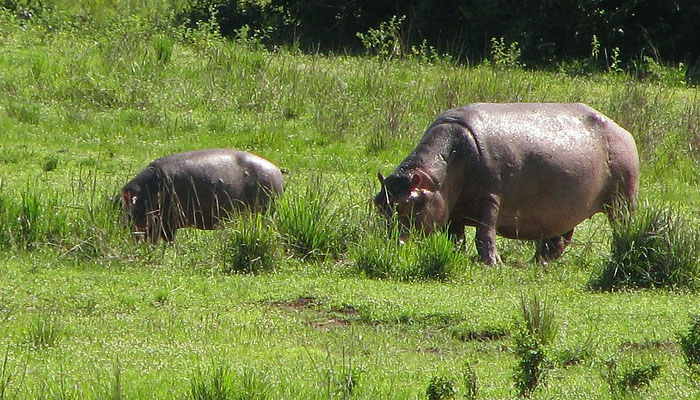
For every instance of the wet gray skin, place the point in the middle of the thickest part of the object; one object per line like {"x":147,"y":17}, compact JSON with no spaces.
{"x":529,"y":171}
{"x":197,"y":189}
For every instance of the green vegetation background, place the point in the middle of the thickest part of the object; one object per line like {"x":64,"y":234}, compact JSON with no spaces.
{"x":93,"y":91}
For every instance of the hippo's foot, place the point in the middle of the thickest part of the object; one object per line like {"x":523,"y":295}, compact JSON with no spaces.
{"x":488,"y":254}
{"x":551,"y":249}
{"x":494,"y":259}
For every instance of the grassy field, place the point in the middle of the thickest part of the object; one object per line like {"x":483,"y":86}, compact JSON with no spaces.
{"x":87,"y":313}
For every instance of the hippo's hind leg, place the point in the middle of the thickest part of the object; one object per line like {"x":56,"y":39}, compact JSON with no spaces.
{"x":552,"y":248}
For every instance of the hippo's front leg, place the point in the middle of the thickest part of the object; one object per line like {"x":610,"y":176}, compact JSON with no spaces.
{"x":486,"y":230}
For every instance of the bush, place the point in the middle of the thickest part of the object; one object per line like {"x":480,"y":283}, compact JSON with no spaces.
{"x":656,"y":247}
{"x":440,"y":388}
{"x":385,"y":41}
{"x":690,"y":345}
{"x":631,"y":377}
{"x":532,"y":363}
{"x":250,"y":245}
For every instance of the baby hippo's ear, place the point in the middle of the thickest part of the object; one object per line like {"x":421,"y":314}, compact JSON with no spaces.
{"x":129,"y":198}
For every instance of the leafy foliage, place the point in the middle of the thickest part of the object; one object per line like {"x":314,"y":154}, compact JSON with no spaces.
{"x":440,"y":388}
{"x":532,"y":363}
{"x":630,"y":377}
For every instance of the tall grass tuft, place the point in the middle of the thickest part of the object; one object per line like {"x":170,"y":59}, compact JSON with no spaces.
{"x":470,"y":382}
{"x":655,"y":247}
{"x":423,"y":257}
{"x":220,"y":383}
{"x":537,"y":331}
{"x":163,"y":47}
{"x":31,"y":218}
{"x":539,"y":318}
{"x":44,"y":331}
{"x":250,"y":244}
{"x":378,"y":255}
{"x":311,"y":220}
{"x":6,"y":375}
{"x":214,"y":384}
{"x":434,"y":255}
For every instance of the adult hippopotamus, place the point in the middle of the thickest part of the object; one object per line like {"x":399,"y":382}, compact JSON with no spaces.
{"x":529,"y":171}
{"x":197,"y":189}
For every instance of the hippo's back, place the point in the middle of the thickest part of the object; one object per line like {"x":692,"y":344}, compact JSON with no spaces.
{"x":553,"y":165}
{"x":220,"y":176}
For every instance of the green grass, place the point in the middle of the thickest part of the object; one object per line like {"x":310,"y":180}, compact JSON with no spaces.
{"x":343,"y":310}
{"x":250,"y":245}
{"x":655,"y":247}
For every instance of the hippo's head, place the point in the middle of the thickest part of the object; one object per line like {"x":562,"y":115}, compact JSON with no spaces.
{"x":415,"y":200}
{"x":138,"y":208}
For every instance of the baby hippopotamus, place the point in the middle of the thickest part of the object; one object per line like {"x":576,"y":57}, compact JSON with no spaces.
{"x":198,"y":189}
{"x":528,"y":171}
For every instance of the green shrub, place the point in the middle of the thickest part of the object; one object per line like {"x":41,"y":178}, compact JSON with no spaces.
{"x":385,"y":41}
{"x":631,"y":376}
{"x":250,"y":244}
{"x":532,"y":364}
{"x":441,"y":388}
{"x":504,"y":55}
{"x":655,"y":247}
{"x":690,"y":345}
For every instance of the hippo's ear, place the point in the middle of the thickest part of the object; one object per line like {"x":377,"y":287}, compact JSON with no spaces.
{"x":129,"y":198}
{"x":421,"y":180}
{"x":380,"y":177}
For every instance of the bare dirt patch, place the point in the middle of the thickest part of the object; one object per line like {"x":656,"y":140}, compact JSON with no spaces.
{"x":666,"y":345}
{"x":298,"y":304}
{"x":338,"y":317}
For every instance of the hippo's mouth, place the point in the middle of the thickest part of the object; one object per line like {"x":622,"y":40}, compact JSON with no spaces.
{"x":139,"y":232}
